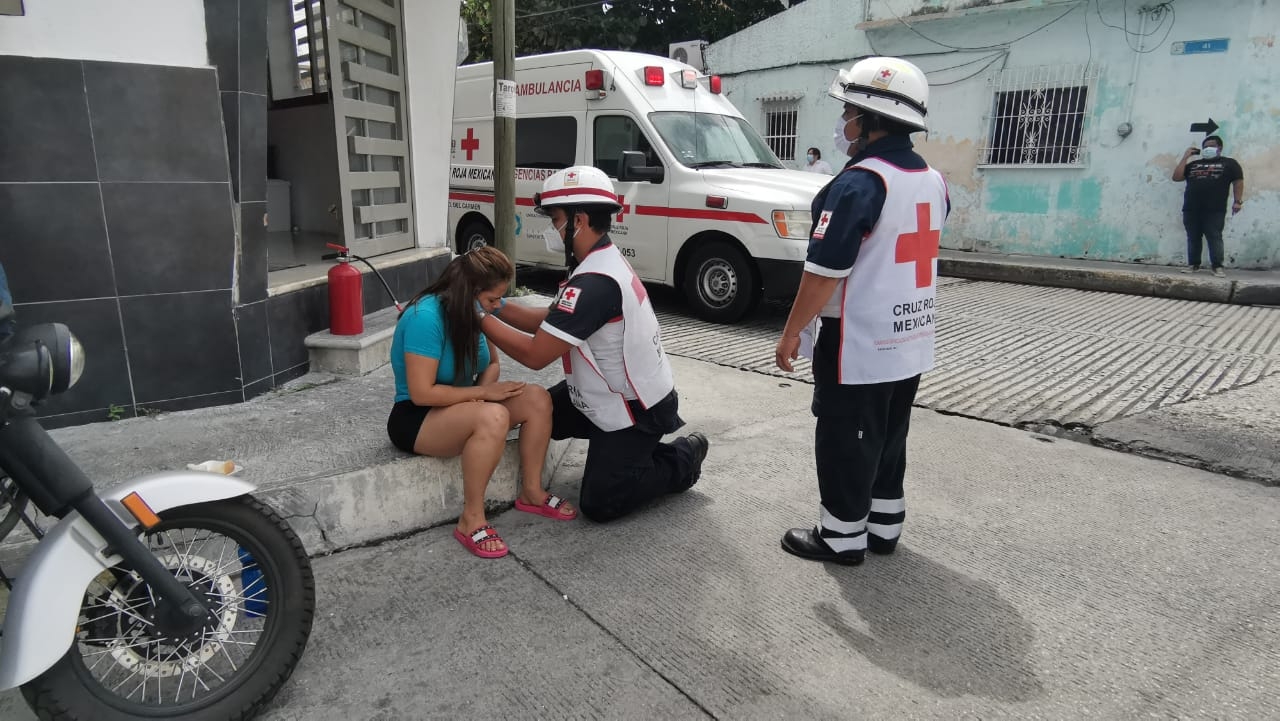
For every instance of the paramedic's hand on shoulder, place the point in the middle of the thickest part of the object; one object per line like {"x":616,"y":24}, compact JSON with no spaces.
{"x":582,"y":307}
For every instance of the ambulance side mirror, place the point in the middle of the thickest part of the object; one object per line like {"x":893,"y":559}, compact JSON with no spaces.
{"x":633,"y":167}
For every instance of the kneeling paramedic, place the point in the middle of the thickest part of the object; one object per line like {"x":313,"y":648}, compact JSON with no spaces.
{"x":618,"y":391}
{"x":870,"y":276}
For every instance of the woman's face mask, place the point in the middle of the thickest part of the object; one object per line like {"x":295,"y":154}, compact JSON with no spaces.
{"x":809,"y":157}
{"x":551,"y":236}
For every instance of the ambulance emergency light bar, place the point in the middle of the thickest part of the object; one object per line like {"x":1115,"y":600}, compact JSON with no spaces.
{"x":656,"y":76}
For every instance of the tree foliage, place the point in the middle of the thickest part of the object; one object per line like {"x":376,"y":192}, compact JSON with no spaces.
{"x":642,"y":25}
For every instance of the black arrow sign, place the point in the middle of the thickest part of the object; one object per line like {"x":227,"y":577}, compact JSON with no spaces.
{"x":1206,"y":128}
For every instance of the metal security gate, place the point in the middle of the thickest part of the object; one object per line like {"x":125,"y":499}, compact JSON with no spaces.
{"x":365,"y":49}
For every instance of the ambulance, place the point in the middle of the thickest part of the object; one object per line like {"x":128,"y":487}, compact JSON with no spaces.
{"x":707,"y":206}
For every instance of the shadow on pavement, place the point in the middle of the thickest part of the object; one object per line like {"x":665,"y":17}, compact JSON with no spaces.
{"x":950,"y":633}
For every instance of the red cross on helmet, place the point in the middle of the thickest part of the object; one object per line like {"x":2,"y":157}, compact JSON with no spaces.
{"x":890,"y":87}
{"x":578,"y":185}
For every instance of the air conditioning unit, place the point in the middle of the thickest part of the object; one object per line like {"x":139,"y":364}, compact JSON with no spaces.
{"x":689,"y":52}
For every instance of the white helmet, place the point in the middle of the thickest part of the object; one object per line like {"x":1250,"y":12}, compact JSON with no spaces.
{"x":891,"y":87}
{"x":578,"y":185}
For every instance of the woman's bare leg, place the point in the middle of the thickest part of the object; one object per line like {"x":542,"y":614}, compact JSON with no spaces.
{"x":477,"y":431}
{"x":532,"y":411}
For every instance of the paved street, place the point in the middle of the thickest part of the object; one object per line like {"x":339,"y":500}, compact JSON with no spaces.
{"x":1191,"y":381}
{"x":1039,"y":579}
{"x":1023,"y":354}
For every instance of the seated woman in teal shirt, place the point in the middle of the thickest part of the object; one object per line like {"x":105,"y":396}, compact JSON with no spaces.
{"x":449,"y":401}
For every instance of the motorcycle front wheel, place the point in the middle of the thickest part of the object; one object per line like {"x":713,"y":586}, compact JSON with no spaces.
{"x":253,"y":571}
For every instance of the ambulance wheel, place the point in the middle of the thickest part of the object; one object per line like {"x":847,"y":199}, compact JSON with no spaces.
{"x":720,"y":283}
{"x":474,"y":234}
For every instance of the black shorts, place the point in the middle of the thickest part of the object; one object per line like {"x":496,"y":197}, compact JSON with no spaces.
{"x":404,"y":423}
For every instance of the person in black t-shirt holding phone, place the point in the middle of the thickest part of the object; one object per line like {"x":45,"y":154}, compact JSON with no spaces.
{"x":1204,"y":204}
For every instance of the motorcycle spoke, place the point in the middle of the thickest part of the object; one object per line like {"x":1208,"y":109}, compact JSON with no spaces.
{"x":226,"y":567}
{"x":239,"y":601}
{"x":127,"y":614}
{"x":118,"y":647}
{"x":120,"y":610}
{"x":133,"y":672}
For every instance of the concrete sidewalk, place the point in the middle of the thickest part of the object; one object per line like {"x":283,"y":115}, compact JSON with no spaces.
{"x":1037,"y":579}
{"x":318,"y":452}
{"x":1243,"y":287}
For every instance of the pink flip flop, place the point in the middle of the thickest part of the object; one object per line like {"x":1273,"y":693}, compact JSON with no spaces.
{"x":550,"y":508}
{"x":479,"y":536}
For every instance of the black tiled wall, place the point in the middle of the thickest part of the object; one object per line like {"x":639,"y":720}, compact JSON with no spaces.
{"x":237,"y":41}
{"x":133,"y":208}
{"x":116,"y":214}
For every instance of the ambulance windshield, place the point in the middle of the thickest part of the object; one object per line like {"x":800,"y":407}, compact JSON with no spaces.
{"x":709,"y":140}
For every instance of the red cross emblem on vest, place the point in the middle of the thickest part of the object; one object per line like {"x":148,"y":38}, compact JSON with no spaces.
{"x":919,"y":247}
{"x":470,"y":143}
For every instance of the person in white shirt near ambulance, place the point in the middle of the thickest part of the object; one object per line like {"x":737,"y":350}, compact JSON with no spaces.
{"x":870,"y":278}
{"x":618,"y":392}
{"x":814,"y":162}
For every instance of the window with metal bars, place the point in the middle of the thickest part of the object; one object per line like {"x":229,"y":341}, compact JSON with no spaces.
{"x":1039,"y":116}
{"x":297,"y":53}
{"x":780,"y":128}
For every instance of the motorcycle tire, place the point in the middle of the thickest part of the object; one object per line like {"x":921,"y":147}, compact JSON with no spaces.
{"x":69,"y":691}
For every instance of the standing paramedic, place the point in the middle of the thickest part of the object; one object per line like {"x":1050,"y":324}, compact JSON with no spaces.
{"x":870,"y":276}
{"x":618,"y":391}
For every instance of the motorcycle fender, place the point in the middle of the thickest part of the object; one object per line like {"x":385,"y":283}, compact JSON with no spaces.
{"x":44,"y":606}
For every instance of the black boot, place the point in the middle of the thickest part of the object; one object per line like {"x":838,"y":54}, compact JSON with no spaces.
{"x":806,"y":543}
{"x":881,"y":546}
{"x":699,"y":445}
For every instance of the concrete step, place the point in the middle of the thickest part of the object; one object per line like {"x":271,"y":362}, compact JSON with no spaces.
{"x":318,"y":451}
{"x":1239,"y":287}
{"x":354,"y":355}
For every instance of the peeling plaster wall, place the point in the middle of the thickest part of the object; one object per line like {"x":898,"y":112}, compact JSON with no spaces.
{"x":1122,"y":204}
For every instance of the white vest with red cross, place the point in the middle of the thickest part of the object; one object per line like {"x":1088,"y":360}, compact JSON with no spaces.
{"x":622,"y":361}
{"x":886,"y":305}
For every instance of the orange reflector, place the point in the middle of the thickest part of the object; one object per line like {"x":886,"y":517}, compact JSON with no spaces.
{"x":654,"y":75}
{"x":140,"y":510}
{"x":780,"y":222}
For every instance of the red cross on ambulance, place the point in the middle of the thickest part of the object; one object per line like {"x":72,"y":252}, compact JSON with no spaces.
{"x":470,"y":143}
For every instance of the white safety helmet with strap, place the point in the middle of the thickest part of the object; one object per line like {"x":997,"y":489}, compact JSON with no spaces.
{"x":580,"y":185}
{"x":890,"y":87}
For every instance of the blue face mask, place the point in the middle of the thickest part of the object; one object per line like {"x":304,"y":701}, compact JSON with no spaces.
{"x":1209,"y":152}
{"x":810,"y":158}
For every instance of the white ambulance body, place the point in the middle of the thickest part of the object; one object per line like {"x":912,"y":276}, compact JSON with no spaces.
{"x":707,"y":207}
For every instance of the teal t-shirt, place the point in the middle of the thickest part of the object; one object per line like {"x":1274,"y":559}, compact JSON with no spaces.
{"x":421,"y":331}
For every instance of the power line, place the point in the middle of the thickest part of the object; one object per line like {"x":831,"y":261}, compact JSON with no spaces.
{"x":999,"y":57}
{"x":1005,"y":44}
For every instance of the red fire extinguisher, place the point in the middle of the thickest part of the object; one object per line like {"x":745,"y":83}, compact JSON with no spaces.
{"x":346,"y":292}
{"x":346,"y":295}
